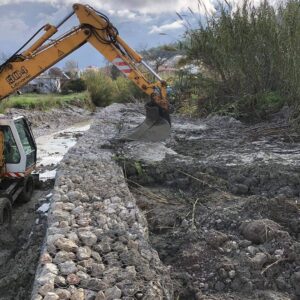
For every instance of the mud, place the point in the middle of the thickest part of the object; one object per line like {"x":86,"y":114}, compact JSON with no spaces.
{"x":222,"y":204}
{"x":20,"y":248}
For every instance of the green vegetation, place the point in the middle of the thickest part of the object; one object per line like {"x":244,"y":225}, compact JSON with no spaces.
{"x":44,"y":102}
{"x":104,"y":90}
{"x":77,"y":85}
{"x":249,"y":61}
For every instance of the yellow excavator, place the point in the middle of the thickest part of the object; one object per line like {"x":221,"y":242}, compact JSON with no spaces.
{"x":17,"y":144}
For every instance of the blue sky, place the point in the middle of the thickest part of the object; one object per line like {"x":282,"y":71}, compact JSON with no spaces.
{"x":140,"y":22}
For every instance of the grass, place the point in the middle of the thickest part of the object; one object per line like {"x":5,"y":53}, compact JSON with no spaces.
{"x":46,"y":102}
{"x":249,"y":59}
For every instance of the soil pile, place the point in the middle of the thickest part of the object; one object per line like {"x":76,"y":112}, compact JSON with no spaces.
{"x":222,"y":203}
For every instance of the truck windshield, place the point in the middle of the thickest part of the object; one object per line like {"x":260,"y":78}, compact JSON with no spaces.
{"x":27,"y":141}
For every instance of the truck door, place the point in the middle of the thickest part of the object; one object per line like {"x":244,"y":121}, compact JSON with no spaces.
{"x":27,"y":141}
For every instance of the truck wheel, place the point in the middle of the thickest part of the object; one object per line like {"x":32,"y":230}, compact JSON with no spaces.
{"x":27,"y":192}
{"x":5,"y":212}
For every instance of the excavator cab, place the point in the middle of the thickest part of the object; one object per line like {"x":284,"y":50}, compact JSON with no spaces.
{"x":20,"y":151}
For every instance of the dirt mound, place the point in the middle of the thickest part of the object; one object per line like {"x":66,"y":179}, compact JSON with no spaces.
{"x":222,"y":208}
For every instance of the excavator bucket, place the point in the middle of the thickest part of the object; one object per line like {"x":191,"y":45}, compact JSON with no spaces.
{"x":155,"y":128}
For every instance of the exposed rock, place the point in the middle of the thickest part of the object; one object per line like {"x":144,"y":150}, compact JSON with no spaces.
{"x":113,"y":293}
{"x":67,"y":267}
{"x":63,"y":294}
{"x":259,"y":231}
{"x":78,"y":294}
{"x":84,"y":253}
{"x":215,"y":238}
{"x":88,"y":238}
{"x":65,"y":244}
{"x":100,"y":296}
{"x":259,"y":260}
{"x":51,"y":296}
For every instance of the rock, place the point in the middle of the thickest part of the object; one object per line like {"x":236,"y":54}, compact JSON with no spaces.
{"x":46,"y":288}
{"x":67,"y":267}
{"x":240,"y":189}
{"x":222,"y":273}
{"x":271,"y":295}
{"x":88,"y":238}
{"x":83,"y":253}
{"x":78,"y":294}
{"x":63,"y":256}
{"x":252,"y":250}
{"x":60,"y":281}
{"x":90,"y":295}
{"x":113,"y":293}
{"x":47,"y":274}
{"x":82,"y":275}
{"x":66,"y":245}
{"x":63,"y":294}
{"x":259,"y":231}
{"x":45,"y":258}
{"x":73,"y":279}
{"x":281,"y":283}
{"x":259,"y":260}
{"x":100,"y":296}
{"x":295,"y":280}
{"x":219,"y":286}
{"x":97,"y":270}
{"x":232,"y":274}
{"x":96,"y":284}
{"x":215,"y":238}
{"x":60,"y":215}
{"x":51,"y":296}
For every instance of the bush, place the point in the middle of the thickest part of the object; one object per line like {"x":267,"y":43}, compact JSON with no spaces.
{"x":101,"y":88}
{"x":127,"y":91}
{"x":104,"y":91}
{"x":249,"y":58}
{"x":74,"y":86}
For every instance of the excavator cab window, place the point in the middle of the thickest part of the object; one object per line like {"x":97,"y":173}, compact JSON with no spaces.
{"x":27,"y":141}
{"x":11,"y":151}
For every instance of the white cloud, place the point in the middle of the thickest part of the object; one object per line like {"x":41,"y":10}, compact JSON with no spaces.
{"x":144,"y":7}
{"x":15,"y":26}
{"x":167,"y":27}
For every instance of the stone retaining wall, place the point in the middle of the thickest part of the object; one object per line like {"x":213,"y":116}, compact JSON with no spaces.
{"x":97,"y":239}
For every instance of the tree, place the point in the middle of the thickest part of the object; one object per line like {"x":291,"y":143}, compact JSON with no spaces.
{"x":55,"y":72}
{"x":158,"y":56}
{"x":71,"y":68}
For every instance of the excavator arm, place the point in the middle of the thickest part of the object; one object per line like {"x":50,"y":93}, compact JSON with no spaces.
{"x":96,"y":29}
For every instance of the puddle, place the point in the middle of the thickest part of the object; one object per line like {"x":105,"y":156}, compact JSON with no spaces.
{"x":53,"y":147}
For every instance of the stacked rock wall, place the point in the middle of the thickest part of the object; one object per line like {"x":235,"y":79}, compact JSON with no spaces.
{"x":97,"y":239}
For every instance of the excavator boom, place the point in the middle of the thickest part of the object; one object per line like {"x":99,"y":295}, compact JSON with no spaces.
{"x":95,"y":28}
